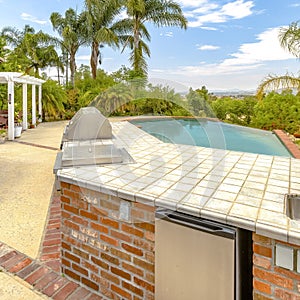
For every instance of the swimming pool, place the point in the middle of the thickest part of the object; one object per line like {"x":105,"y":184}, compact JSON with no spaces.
{"x":212,"y":134}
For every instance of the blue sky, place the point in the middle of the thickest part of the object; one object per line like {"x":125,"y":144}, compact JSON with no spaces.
{"x":229,"y":44}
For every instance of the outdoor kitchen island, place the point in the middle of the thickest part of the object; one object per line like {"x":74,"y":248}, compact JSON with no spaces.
{"x":108,"y":212}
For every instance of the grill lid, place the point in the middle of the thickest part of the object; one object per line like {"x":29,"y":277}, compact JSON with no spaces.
{"x":88,"y":124}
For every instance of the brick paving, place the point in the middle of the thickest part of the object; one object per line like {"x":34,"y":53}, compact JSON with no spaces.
{"x":43,"y":274}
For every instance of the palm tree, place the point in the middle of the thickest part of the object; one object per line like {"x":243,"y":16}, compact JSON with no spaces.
{"x":54,"y":98}
{"x":289,"y":38}
{"x":73,"y":32}
{"x":34,"y":50}
{"x":134,"y":31}
{"x":14,"y":36}
{"x":114,"y":100}
{"x":100,"y":15}
{"x":273,"y":83}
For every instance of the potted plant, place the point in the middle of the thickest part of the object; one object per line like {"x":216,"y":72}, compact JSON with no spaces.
{"x":2,"y":136}
{"x":18,"y":125}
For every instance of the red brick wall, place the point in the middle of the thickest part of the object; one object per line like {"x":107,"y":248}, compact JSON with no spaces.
{"x":269,"y":280}
{"x":106,"y":251}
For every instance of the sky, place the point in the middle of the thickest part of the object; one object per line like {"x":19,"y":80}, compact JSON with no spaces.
{"x":228,"y":45}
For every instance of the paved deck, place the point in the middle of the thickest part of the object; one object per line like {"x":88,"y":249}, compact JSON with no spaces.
{"x":30,"y":219}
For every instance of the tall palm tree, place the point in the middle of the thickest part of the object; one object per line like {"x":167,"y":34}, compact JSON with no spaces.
{"x":134,"y":31}
{"x":100,"y":16}
{"x":73,"y":32}
{"x":289,"y":38}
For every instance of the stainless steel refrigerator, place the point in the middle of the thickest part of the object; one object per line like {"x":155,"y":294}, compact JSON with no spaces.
{"x":201,"y":259}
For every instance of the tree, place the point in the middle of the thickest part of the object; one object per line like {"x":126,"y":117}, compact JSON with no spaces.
{"x":236,"y":111}
{"x":273,"y":83}
{"x":134,"y":33}
{"x":3,"y":54}
{"x":278,"y":111}
{"x":33,"y":51}
{"x":73,"y":32}
{"x":289,"y":38}
{"x":90,"y":88}
{"x":198,"y":104}
{"x":54,"y":98}
{"x":100,"y":16}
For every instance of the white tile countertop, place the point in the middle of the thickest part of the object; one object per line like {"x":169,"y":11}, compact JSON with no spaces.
{"x":241,"y":189}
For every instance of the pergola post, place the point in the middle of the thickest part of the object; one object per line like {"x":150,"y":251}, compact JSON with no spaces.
{"x":33,"y":110}
{"x":11,"y":110}
{"x":24,"y":112}
{"x":40,"y":104}
{"x":10,"y":78}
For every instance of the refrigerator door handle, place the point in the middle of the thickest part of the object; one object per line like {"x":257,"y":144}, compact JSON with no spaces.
{"x":196,"y":223}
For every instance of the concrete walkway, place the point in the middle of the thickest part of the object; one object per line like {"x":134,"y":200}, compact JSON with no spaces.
{"x":26,"y":186}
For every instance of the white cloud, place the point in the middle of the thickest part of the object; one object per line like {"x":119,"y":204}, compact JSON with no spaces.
{"x":207,"y":47}
{"x":266,"y":49}
{"x":208,"y":28}
{"x":192,"y":3}
{"x":167,"y":34}
{"x":28,"y":17}
{"x":238,"y":9}
{"x":205,"y":12}
{"x":249,"y":57}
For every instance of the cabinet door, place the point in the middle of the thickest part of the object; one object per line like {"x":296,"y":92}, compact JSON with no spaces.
{"x":191,"y":264}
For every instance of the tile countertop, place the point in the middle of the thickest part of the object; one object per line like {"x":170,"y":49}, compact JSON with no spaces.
{"x":240,"y":189}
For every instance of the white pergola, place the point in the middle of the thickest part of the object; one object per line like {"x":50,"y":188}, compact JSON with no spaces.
{"x":10,"y":78}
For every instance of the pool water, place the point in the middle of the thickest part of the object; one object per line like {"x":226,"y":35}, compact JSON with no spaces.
{"x":214,"y":134}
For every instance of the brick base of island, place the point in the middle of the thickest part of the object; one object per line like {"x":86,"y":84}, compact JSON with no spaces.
{"x":271,"y":281}
{"x":108,"y":246}
{"x":107,"y":243}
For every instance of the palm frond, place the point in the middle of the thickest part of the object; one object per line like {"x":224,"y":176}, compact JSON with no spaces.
{"x":275,"y":83}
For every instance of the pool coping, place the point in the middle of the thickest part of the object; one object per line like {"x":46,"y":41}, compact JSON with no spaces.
{"x":287,"y":142}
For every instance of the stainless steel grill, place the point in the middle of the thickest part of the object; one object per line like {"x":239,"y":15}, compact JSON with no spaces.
{"x":88,"y":140}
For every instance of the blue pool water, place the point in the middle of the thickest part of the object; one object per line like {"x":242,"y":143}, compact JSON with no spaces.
{"x":214,"y":134}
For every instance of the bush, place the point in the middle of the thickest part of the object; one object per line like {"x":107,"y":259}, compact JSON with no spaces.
{"x":278,"y":111}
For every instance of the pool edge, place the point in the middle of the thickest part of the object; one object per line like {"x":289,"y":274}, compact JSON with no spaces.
{"x":284,"y":138}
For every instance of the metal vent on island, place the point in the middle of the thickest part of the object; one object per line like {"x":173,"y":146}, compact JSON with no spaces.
{"x":88,"y":140}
